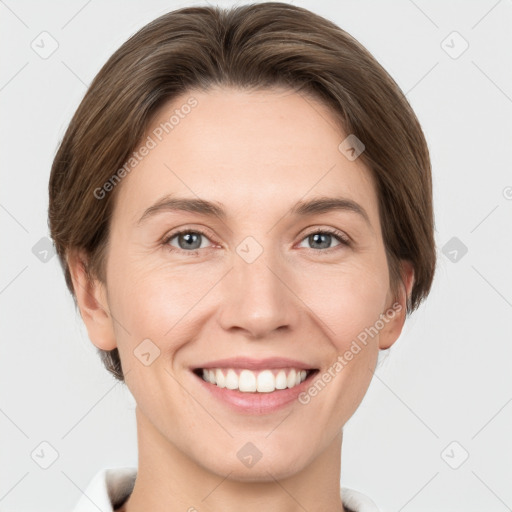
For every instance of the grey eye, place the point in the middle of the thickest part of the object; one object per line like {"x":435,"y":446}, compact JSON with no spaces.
{"x":322,"y":240}
{"x":187,"y":240}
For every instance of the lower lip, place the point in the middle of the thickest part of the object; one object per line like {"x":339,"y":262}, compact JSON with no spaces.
{"x":256,"y":403}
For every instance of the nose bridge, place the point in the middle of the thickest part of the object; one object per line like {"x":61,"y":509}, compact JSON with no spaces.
{"x":256,"y":295}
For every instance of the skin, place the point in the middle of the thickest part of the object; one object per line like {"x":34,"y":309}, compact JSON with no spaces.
{"x":257,"y":153}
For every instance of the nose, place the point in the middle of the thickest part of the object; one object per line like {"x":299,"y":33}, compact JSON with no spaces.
{"x":258,"y":297}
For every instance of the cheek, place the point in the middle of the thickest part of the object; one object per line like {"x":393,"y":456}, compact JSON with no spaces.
{"x":347,"y":307}
{"x":157,"y":301}
{"x":346,"y":300}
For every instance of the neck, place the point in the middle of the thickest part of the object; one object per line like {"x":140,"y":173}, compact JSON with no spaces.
{"x":169,"y":480}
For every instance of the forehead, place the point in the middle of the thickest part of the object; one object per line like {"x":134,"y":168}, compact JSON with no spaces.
{"x":251,"y":151}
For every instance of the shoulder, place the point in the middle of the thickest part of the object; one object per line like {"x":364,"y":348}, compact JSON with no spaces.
{"x":107,"y":490}
{"x":356,"y":501}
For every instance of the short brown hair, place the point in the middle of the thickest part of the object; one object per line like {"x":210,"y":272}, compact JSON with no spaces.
{"x":253,"y":47}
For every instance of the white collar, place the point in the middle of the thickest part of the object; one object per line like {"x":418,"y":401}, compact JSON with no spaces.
{"x":111,"y":486}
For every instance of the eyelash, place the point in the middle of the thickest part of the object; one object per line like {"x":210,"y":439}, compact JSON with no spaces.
{"x":341,"y":237}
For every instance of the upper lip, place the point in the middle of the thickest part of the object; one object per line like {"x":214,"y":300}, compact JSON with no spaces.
{"x":257,"y":364}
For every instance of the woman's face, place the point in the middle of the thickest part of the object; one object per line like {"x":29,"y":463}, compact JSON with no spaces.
{"x":254,"y":283}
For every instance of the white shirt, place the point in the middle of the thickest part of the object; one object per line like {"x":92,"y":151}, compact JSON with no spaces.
{"x":110,"y":487}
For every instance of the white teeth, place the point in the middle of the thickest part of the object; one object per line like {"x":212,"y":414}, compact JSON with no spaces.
{"x":281,"y":382}
{"x":220,"y":379}
{"x":265,"y":381}
{"x":247,"y":381}
{"x":291,"y":379}
{"x":231,"y":380}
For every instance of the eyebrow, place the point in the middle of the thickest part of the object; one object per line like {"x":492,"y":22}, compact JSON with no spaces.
{"x":314,"y":206}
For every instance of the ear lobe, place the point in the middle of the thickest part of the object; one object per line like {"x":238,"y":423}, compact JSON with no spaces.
{"x":92,"y":301}
{"x":397,"y":311}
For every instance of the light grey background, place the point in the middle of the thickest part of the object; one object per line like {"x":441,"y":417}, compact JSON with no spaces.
{"x":448,"y":378}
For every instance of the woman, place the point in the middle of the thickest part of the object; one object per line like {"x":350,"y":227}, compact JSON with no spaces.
{"x":242,"y":207}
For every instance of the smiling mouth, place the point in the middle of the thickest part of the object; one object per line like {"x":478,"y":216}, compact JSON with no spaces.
{"x":248,"y":381}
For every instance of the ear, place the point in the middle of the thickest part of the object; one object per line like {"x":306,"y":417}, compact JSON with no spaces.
{"x":92,"y":301}
{"x":397,"y":308}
